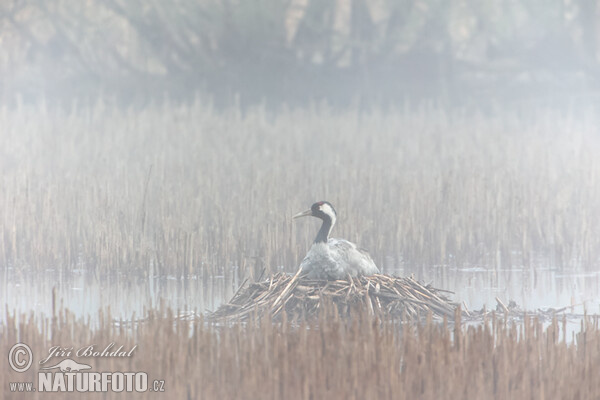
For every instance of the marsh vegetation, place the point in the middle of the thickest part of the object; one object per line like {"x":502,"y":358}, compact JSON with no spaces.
{"x":120,"y":208}
{"x":363,"y":358}
{"x":184,"y":189}
{"x":152,"y":155}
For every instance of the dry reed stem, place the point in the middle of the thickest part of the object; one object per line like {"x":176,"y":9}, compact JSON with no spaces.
{"x":363,"y":357}
{"x":302,"y":298}
{"x":417,"y":187}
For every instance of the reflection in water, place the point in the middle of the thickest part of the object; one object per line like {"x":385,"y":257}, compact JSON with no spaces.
{"x":531,"y":289}
{"x":127,"y":295}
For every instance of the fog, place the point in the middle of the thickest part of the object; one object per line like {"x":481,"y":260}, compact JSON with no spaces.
{"x":298,"y":52}
{"x":476,"y":123}
{"x":153,"y":153}
{"x":469,"y":117}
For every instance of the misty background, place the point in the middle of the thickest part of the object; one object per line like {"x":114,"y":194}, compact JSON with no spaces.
{"x":153,"y":153}
{"x":344,"y":52}
{"x":157,"y":150}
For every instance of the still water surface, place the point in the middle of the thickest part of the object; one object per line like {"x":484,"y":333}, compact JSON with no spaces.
{"x":84,"y":293}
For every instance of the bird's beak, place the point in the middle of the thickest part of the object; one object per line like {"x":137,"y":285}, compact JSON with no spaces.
{"x":303,"y":214}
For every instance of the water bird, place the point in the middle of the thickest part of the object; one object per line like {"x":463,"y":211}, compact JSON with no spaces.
{"x":330,"y":258}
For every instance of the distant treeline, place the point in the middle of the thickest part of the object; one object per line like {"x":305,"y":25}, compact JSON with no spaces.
{"x":297,"y":50}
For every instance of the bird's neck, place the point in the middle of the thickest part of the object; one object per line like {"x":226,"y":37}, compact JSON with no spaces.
{"x":323,"y":234}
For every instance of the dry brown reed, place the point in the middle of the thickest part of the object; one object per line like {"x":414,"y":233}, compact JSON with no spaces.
{"x":300,"y":298}
{"x":184,"y":189}
{"x":364,"y":358}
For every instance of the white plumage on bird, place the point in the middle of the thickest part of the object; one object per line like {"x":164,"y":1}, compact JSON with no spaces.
{"x":330,"y":258}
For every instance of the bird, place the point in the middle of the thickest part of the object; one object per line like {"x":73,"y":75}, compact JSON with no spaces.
{"x":329,"y":258}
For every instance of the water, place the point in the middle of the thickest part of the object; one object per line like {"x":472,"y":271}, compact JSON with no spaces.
{"x":127,"y":296}
{"x":530,"y":288}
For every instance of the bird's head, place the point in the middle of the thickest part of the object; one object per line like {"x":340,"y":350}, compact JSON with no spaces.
{"x":321,"y":209}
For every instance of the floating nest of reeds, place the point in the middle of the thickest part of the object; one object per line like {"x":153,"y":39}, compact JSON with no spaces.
{"x":302,"y":298}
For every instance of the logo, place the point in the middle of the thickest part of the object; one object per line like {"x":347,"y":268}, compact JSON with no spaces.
{"x":20,"y":357}
{"x":68,"y":375}
{"x":69,"y":365}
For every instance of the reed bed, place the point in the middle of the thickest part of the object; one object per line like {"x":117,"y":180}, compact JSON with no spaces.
{"x":300,"y":298}
{"x":185,"y":190}
{"x":334,"y":358}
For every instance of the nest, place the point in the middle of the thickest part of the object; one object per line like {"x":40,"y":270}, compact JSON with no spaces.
{"x":302,"y":298}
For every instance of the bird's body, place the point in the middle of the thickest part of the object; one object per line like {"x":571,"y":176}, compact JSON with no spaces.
{"x":336,"y":259}
{"x":330,"y":258}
